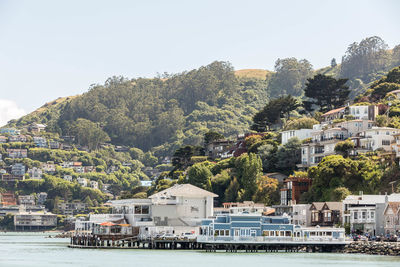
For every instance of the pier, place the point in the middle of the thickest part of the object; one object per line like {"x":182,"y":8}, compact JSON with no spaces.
{"x":135,"y":242}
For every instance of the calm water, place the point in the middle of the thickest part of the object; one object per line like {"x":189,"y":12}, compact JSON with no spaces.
{"x":22,"y":249}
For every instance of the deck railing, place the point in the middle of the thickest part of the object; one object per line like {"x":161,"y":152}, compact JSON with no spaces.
{"x":265,"y":239}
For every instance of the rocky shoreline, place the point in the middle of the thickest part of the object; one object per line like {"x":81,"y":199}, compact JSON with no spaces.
{"x":373,"y":248}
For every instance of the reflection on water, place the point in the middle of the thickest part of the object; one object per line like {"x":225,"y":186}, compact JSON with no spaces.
{"x":34,"y":249}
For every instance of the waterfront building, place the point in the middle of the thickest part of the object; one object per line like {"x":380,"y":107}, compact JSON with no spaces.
{"x":255,"y":228}
{"x":392,"y":218}
{"x":179,"y":208}
{"x":301,"y":215}
{"x":34,"y":221}
{"x":326,"y":214}
{"x":365,"y":213}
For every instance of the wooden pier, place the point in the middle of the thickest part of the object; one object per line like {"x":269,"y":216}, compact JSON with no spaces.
{"x":134,"y":242}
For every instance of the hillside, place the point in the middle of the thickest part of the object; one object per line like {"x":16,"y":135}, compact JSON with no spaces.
{"x":160,"y":115}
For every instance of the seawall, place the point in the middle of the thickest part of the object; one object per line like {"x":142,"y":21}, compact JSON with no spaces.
{"x":373,"y":248}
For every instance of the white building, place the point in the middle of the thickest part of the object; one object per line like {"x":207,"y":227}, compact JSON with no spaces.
{"x":379,"y":138}
{"x":35,"y":173}
{"x":34,"y":221}
{"x":300,"y":134}
{"x":94,"y":185}
{"x":301,"y":215}
{"x":82,"y":181}
{"x":364,"y":213}
{"x":68,"y":178}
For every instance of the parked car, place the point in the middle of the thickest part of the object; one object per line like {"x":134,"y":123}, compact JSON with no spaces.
{"x":188,"y":236}
{"x":169,"y":237}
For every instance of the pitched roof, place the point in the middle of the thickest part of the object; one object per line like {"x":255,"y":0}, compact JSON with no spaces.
{"x":184,"y":190}
{"x":330,"y":205}
{"x":317,"y":205}
{"x":334,"y":205}
{"x":393,"y":205}
{"x":333,"y":111}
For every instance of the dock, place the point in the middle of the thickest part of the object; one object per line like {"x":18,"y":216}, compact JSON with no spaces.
{"x":135,"y":242}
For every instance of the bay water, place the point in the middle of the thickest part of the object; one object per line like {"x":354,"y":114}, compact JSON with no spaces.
{"x":36,"y":249}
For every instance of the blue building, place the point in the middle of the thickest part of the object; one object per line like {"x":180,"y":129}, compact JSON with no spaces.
{"x":255,"y":228}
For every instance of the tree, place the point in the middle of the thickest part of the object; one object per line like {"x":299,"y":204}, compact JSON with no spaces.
{"x":325,"y":92}
{"x":200,"y":175}
{"x":340,"y":193}
{"x":265,"y":188}
{"x":212,"y":136}
{"x":300,"y":123}
{"x":248,"y":168}
{"x":289,"y":77}
{"x":288,"y":156}
{"x":273,"y":112}
{"x":89,"y":133}
{"x":333,"y":63}
{"x":361,"y":59}
{"x":344,"y":148}
{"x":231,"y":193}
{"x":183,"y":155}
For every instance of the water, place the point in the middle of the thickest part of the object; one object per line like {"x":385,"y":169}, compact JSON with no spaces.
{"x":30,"y":249}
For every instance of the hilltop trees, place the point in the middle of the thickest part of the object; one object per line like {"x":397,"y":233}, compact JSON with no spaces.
{"x":365,"y":58}
{"x":273,"y":112}
{"x":89,"y":133}
{"x":325,"y":92}
{"x":289,"y":77}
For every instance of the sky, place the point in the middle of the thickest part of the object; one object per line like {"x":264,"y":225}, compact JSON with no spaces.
{"x":51,"y":49}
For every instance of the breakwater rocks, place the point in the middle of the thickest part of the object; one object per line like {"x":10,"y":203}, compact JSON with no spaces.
{"x":374,"y":248}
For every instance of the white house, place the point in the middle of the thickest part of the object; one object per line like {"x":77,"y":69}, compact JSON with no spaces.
{"x":68,"y":178}
{"x":301,"y":134}
{"x":94,"y":184}
{"x":35,"y":173}
{"x":82,"y":181}
{"x":378,"y":138}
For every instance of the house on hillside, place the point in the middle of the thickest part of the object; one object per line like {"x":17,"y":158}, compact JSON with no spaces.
{"x":18,"y":169}
{"x":40,"y":141}
{"x":37,"y":127}
{"x":17,"y":153}
{"x":35,"y":173}
{"x":219,"y":149}
{"x":3,"y":139}
{"x":17,"y":138}
{"x":10,"y":131}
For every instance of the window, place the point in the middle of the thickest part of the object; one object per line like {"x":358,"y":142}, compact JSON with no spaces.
{"x":227,"y":232}
{"x":385,"y":142}
{"x":364,"y":215}
{"x":355,"y":215}
{"x":372,"y":214}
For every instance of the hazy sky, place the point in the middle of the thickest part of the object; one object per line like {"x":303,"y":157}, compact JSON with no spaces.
{"x":53,"y":48}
